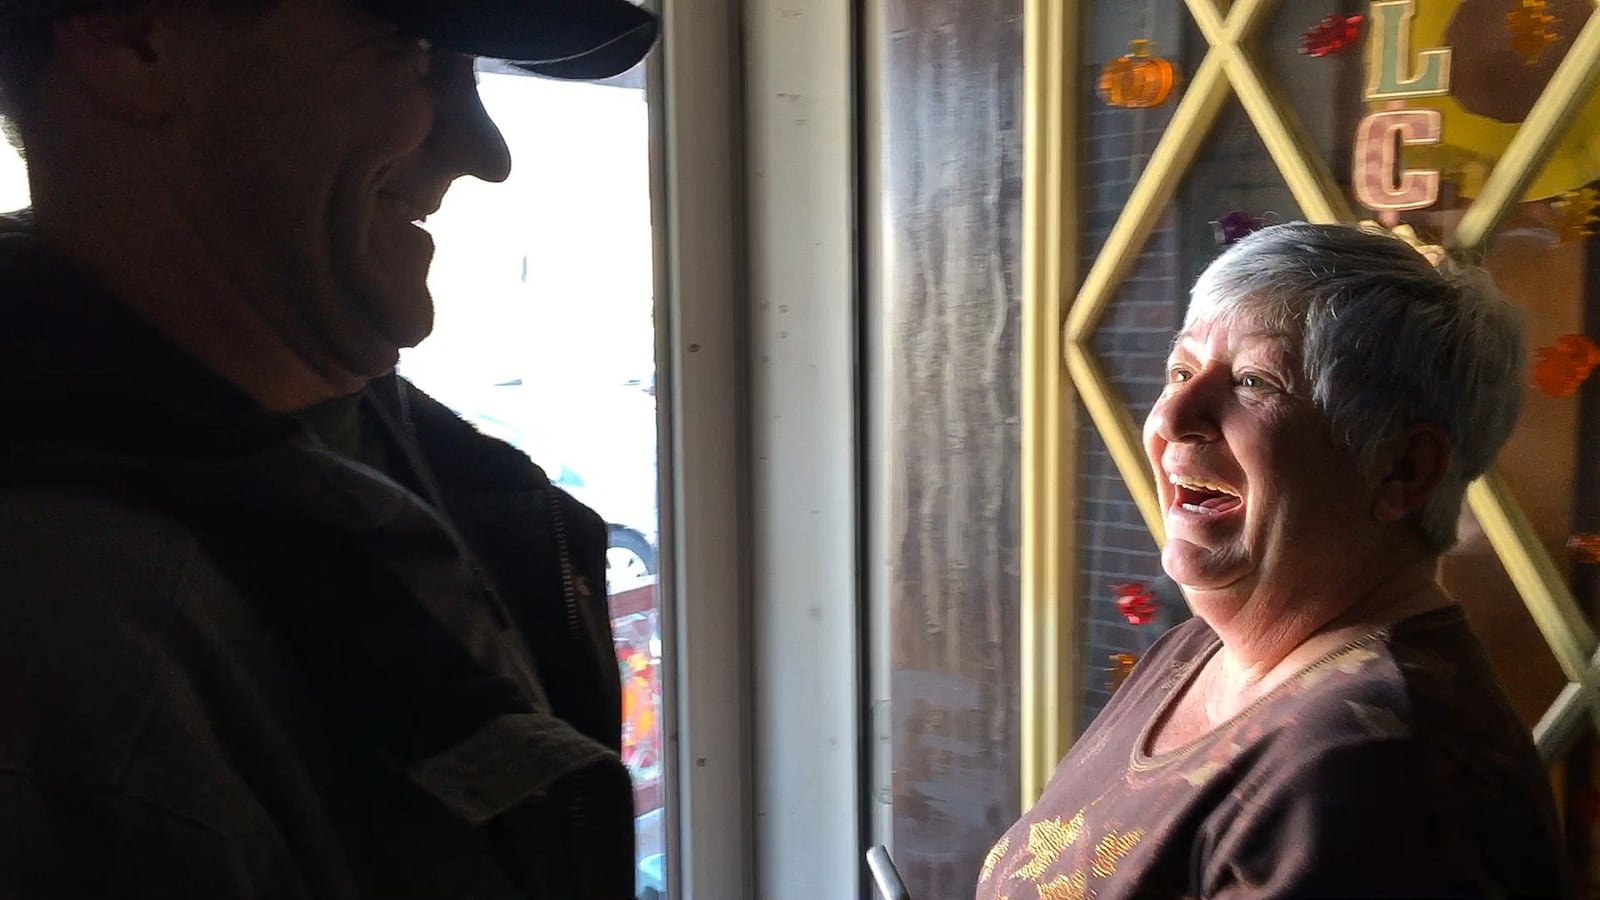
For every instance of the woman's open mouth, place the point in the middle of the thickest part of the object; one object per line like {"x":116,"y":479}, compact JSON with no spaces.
{"x":1202,"y":496}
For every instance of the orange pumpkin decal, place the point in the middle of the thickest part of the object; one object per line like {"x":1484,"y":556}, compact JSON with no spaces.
{"x":1138,"y":80}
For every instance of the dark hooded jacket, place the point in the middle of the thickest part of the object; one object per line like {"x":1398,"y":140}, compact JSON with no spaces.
{"x":235,"y":663}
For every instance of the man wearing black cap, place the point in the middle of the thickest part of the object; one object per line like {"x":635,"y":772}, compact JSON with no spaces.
{"x":272,"y":622}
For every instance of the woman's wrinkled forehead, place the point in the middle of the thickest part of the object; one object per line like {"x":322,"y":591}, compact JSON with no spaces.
{"x":1232,"y":336}
{"x":1246,"y":313}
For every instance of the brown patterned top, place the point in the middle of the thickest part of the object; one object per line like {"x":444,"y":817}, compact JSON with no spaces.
{"x":1392,"y":767}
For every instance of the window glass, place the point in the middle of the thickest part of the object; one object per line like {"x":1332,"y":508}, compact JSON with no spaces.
{"x":544,"y":337}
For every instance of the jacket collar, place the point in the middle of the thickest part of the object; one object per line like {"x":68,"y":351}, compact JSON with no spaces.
{"x":77,"y":366}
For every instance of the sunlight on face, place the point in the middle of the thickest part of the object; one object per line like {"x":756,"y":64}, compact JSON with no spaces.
{"x":1253,"y":489}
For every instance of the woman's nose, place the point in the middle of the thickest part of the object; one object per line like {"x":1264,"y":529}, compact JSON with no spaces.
{"x":1186,"y":412}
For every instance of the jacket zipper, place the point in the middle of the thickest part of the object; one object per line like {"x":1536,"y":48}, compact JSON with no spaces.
{"x":576,"y":809}
{"x":568,"y":587}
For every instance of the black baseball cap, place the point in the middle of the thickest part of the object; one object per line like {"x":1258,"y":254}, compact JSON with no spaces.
{"x":581,"y":40}
{"x":572,"y":39}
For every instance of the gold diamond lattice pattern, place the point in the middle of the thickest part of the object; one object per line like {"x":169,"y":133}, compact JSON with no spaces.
{"x":1228,"y":70}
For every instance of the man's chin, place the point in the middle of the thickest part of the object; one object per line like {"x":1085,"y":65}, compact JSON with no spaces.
{"x":394,"y":321}
{"x":411,"y":333}
{"x":401,"y":309}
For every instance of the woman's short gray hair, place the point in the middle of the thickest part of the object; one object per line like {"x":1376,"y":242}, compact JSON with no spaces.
{"x":1387,"y":340}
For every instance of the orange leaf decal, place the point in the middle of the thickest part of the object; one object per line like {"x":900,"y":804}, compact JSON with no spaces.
{"x":1560,"y":369}
{"x":1586,"y":547}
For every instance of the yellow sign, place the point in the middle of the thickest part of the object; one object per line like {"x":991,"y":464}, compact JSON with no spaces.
{"x":1491,"y":88}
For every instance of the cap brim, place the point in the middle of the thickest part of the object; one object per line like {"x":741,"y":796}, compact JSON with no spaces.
{"x":572,"y":39}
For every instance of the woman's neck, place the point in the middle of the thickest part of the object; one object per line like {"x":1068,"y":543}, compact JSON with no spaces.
{"x":1258,"y":652}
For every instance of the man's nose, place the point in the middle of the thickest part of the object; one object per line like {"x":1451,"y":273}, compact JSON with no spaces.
{"x":465,"y":139}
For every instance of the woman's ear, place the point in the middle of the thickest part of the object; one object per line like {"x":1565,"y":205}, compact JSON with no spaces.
{"x":1414,"y":469}
{"x":122,"y":59}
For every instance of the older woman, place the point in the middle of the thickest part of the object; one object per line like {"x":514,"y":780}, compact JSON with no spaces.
{"x":1327,"y":725}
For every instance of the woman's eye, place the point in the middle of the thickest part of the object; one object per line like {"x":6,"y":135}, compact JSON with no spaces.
{"x":1252,"y":381}
{"x":1176,"y":375}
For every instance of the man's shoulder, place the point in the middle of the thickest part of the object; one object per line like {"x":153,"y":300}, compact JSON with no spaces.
{"x":118,"y":674}
{"x":62,"y":539}
{"x":95,"y":586}
{"x":470,"y":465}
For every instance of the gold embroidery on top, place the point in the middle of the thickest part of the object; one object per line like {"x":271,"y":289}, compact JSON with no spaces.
{"x":1176,"y":675}
{"x":1067,"y":887}
{"x":1378,"y":721}
{"x":1046,"y":841}
{"x":1204,"y":773}
{"x":1313,"y":677}
{"x":993,"y":859}
{"x":1093,"y":746}
{"x":1349,"y":661}
{"x":1075,"y":828}
{"x":1356,"y":659}
{"x":1113,"y":847}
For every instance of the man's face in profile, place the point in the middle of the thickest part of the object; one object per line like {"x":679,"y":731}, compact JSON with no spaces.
{"x":312,"y":137}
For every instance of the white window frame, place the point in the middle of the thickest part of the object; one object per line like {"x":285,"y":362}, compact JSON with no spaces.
{"x":701,"y":355}
{"x":758,"y":334}
{"x":805,"y":383}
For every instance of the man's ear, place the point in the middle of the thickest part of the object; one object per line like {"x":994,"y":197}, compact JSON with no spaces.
{"x":122,"y":59}
{"x":1412,"y":472}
